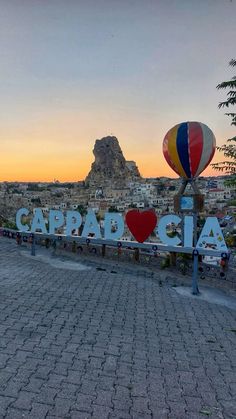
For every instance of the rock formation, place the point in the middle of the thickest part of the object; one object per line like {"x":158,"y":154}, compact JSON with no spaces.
{"x":110,"y":164}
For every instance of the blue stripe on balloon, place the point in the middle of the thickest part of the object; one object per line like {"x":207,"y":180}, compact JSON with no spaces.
{"x":182,"y":147}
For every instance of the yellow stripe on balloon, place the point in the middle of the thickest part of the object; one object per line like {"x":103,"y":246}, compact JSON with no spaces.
{"x":172,"y":150}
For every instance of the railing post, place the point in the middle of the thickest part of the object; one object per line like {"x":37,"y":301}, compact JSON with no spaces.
{"x":119,"y":246}
{"x":18,"y":238}
{"x":73,"y":247}
{"x":173,"y":257}
{"x":136,"y":255}
{"x":33,"y":250}
{"x":195,"y":289}
{"x":103,"y":250}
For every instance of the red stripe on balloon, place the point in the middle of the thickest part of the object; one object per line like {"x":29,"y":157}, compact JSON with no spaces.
{"x":195,"y":138}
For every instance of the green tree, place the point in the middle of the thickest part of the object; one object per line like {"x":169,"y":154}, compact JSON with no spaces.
{"x":229,"y":149}
{"x":10,"y":224}
{"x":82,"y":210}
{"x":36,"y":201}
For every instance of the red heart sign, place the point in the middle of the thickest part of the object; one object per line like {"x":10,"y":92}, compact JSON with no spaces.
{"x":141,"y":224}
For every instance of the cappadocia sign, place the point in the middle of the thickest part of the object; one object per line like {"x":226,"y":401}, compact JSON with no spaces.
{"x":188,"y":148}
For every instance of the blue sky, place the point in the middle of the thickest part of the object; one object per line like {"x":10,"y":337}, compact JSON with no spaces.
{"x":73,"y":71}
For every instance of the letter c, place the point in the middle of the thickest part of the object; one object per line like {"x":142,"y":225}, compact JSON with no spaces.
{"x":19,"y":214}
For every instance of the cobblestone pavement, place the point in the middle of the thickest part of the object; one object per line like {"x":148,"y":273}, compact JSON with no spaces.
{"x":106,"y":344}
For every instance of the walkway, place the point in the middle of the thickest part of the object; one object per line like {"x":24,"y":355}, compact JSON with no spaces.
{"x":105,"y":344}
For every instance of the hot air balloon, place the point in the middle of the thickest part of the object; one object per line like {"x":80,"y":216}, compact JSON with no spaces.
{"x":188,"y":148}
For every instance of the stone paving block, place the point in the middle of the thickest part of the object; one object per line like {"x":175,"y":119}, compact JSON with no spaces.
{"x":68,"y":391}
{"x":178,"y":407}
{"x":31,"y":364}
{"x":101,"y":412}
{"x":34,"y":385}
{"x":84,"y":403}
{"x":46,"y":395}
{"x":38,"y":411}
{"x":139,"y":389}
{"x":157,"y":401}
{"x":79,"y":365}
{"x":162,"y":413}
{"x":58,"y":417}
{"x":4,"y":377}
{"x":209,"y":398}
{"x":119,"y":414}
{"x":12,"y":388}
{"x":61,"y":407}
{"x":3,"y":359}
{"x":189,"y":390}
{"x":122,"y":405}
{"x":67,"y":357}
{"x":229,"y":407}
{"x":61,"y":368}
{"x":105,"y":382}
{"x":43,"y":372}
{"x":74,"y":414}
{"x":55,"y":380}
{"x":88,"y":387}
{"x":24,"y":400}
{"x":104,"y":398}
{"x":15,"y":414}
{"x":194,"y":403}
{"x":71,"y":347}
{"x":222,"y":394}
{"x":141,"y":405}
{"x":122,"y":392}
{"x":141,"y":415}
{"x":74,"y":377}
{"x":95,"y":363}
{"x":4,"y":403}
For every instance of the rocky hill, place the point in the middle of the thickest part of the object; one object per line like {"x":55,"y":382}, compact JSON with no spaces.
{"x":110,"y":164}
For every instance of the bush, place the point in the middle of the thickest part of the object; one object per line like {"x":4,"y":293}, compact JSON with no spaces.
{"x":166,"y":262}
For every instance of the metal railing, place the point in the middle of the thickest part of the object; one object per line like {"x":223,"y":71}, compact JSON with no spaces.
{"x":148,"y":247}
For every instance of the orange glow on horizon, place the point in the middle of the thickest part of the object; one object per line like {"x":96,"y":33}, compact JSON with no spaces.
{"x":71,"y":169}
{"x":59,"y":146}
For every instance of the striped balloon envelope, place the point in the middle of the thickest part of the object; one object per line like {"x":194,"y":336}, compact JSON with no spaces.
{"x":188,"y":148}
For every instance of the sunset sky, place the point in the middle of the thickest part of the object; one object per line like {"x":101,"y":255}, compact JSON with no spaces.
{"x":72,"y":71}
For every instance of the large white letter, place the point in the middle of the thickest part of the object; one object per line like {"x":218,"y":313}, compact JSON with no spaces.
{"x":188,"y":231}
{"x":73,"y":221}
{"x":38,"y":222}
{"x":56,"y":220}
{"x":212,"y":235}
{"x":116,"y":220}
{"x":91,"y":225}
{"x":20,"y":226}
{"x":164,"y":221}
